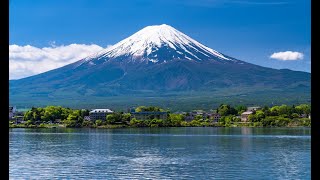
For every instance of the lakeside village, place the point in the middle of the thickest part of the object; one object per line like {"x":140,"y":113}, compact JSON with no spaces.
{"x":142,"y":116}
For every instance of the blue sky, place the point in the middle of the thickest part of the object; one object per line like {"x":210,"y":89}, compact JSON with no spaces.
{"x":249,"y":30}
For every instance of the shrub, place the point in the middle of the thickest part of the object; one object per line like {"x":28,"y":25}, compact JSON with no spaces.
{"x":99,"y":122}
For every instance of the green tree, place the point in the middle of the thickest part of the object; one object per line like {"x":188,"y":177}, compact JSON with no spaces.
{"x":51,"y":113}
{"x":65,"y":113}
{"x":87,"y":123}
{"x":268,"y":121}
{"x":281,"y":121}
{"x":260,"y":115}
{"x":225,"y":110}
{"x":256,"y":116}
{"x":294,"y":115}
{"x":148,"y":108}
{"x":111,"y":119}
{"x":266,"y":110}
{"x":125,"y":118}
{"x":34,"y":114}
{"x":252,"y":118}
{"x":240,"y":109}
{"x":277,"y":121}
{"x":73,"y":119}
{"x":236,"y":119}
{"x":198,"y":117}
{"x":303,"y":109}
{"x":84,"y":112}
{"x":285,"y":110}
{"x":175,"y":120}
{"x":184,"y":124}
{"x":28,"y":116}
{"x":80,"y":121}
{"x":29,"y":122}
{"x":275,"y":110}
{"x":99,"y":122}
{"x":305,"y":122}
{"x":116,"y":118}
{"x":137,"y":123}
{"x":195,"y":123}
{"x":155,"y":123}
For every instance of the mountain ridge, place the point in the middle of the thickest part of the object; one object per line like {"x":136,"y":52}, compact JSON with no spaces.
{"x":148,"y":64}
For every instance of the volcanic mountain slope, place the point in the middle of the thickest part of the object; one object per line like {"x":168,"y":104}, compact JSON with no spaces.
{"x":156,"y":61}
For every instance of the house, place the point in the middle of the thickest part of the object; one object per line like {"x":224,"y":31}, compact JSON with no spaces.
{"x":12,"y":111}
{"x":244,"y":116}
{"x":191,"y":115}
{"x":101,"y":114}
{"x":305,"y":116}
{"x":57,"y":121}
{"x":18,"y":119}
{"x":250,"y":110}
{"x":86,"y":118}
{"x":148,"y":115}
{"x":254,"y":108}
{"x":215,"y":116}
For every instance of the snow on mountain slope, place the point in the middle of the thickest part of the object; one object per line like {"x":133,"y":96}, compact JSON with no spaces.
{"x":159,"y":43}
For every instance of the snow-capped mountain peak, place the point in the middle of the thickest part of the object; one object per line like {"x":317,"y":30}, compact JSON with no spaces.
{"x":160,"y":43}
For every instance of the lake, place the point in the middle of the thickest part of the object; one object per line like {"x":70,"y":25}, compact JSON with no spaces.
{"x":160,"y":153}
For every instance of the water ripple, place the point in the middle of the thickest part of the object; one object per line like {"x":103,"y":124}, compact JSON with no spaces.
{"x":185,"y":153}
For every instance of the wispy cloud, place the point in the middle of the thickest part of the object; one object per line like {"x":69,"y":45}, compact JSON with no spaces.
{"x":29,"y":60}
{"x":287,"y":55}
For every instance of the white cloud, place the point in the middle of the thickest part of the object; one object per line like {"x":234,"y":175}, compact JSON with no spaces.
{"x":287,"y":55}
{"x":29,"y":60}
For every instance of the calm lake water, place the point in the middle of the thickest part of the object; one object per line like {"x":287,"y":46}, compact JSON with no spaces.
{"x":160,"y":153}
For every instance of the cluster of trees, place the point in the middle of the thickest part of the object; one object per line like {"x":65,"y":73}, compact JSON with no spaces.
{"x":67,"y":116}
{"x":276,"y":116}
{"x":226,"y":110}
{"x":173,"y":120}
{"x":283,"y":115}
{"x":124,"y":119}
{"x":148,"y":108}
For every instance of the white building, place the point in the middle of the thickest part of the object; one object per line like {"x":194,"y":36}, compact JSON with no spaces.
{"x":244,"y":116}
{"x":101,"y":114}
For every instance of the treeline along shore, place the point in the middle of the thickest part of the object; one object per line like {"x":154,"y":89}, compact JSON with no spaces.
{"x":142,"y":116}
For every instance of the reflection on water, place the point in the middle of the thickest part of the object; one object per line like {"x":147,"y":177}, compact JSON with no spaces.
{"x":160,"y":153}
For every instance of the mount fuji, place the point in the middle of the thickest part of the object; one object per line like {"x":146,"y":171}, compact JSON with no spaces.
{"x":159,"y":44}
{"x":160,"y":65}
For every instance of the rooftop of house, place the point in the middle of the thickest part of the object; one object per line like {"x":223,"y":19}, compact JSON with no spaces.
{"x":179,"y":112}
{"x":253,"y":108}
{"x":197,"y":112}
{"x":247,"y":112}
{"x":101,"y":111}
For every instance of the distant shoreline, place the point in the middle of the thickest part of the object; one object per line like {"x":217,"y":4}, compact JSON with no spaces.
{"x":152,"y":116}
{"x":250,"y":125}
